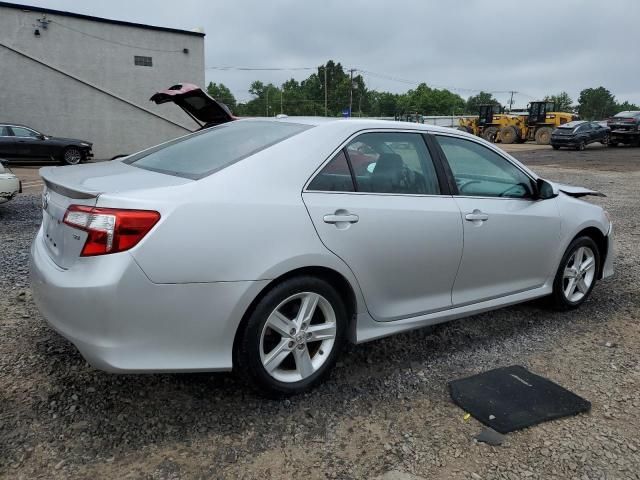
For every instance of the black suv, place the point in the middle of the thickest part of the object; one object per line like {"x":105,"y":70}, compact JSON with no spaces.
{"x":578,"y":134}
{"x":22,"y":143}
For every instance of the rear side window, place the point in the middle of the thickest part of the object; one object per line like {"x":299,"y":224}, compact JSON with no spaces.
{"x":199,"y":155}
{"x":4,"y":131}
{"x":334,"y":177}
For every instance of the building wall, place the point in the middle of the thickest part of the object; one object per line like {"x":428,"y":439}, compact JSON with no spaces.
{"x":78,"y":80}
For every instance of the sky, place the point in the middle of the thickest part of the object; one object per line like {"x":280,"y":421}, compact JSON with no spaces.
{"x":534,"y":48}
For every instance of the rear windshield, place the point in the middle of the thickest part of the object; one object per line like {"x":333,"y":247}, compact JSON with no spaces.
{"x":203,"y":153}
{"x":626,"y":114}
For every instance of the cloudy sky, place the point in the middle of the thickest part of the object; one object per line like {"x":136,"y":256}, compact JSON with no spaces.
{"x":535,"y":48}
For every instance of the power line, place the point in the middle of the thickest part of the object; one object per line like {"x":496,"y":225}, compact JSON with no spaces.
{"x":115,"y":42}
{"x":261,"y":69}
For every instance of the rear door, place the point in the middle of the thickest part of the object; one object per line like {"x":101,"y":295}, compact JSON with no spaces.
{"x":509,"y":238}
{"x":28,"y":143}
{"x":393,"y":223}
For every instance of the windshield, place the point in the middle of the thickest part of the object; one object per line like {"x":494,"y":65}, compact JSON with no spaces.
{"x":203,"y":153}
{"x":626,"y":114}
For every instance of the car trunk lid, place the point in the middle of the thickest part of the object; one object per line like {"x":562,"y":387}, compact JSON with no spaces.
{"x":198,"y":105}
{"x":83,"y":185}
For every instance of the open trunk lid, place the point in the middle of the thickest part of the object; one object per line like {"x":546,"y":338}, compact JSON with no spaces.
{"x":82,"y":185}
{"x":198,"y":105}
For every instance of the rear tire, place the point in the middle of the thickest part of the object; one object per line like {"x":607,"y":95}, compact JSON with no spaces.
{"x":490,"y":134}
{"x":71,"y":156}
{"x":277,"y":352}
{"x":509,"y":135}
{"x":543,"y":136}
{"x":581,"y":146}
{"x":577,"y":274}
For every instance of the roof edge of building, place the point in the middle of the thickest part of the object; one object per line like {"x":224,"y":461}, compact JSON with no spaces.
{"x":33,"y":8}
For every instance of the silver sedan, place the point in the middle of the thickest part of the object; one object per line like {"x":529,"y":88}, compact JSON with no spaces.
{"x":263,"y":246}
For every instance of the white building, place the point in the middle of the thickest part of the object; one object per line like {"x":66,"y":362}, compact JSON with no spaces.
{"x":90,"y":78}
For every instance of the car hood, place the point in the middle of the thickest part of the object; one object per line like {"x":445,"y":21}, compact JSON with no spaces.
{"x":193,"y":100}
{"x":577,"y":191}
{"x":69,"y":141}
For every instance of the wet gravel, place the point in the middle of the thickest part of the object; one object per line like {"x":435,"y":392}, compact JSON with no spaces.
{"x":386,"y":408}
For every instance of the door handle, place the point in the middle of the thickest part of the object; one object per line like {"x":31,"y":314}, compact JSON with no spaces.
{"x":476,"y":216}
{"x":339,"y":218}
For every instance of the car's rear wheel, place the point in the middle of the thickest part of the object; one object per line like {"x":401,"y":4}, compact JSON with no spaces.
{"x":581,"y":146}
{"x":71,"y":156}
{"x":577,"y":274}
{"x":292,"y":337}
{"x":605,"y":140}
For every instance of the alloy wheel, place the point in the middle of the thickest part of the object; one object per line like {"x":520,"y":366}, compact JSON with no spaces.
{"x":579,"y":274}
{"x":298,"y":337}
{"x":72,"y":156}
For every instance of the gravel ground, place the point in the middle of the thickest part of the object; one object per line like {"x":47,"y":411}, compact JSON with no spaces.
{"x":386,"y":408}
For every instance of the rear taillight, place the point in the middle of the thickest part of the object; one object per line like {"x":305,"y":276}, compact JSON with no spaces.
{"x":110,"y":230}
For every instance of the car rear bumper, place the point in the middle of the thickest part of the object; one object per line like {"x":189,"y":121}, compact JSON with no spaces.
{"x":565,"y":142}
{"x":120,"y":321}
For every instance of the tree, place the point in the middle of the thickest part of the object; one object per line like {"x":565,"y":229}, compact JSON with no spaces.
{"x":562,"y":100}
{"x":596,"y":103}
{"x":483,"y":98}
{"x":626,"y":106}
{"x":221,"y":93}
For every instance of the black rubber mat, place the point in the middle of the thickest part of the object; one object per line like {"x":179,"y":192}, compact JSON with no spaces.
{"x":511,"y":398}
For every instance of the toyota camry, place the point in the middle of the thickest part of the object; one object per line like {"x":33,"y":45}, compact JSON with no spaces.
{"x":256,"y":246}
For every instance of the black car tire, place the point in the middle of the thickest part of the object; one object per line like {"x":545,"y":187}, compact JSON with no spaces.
{"x":605,"y":141}
{"x":72,"y":156}
{"x":557,"y":298}
{"x":581,"y":146}
{"x":247,"y":354}
{"x":555,"y":147}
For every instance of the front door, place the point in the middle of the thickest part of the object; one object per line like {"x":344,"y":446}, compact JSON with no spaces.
{"x":29,"y":143}
{"x":509,"y":236}
{"x":7,"y":143}
{"x":390,"y":222}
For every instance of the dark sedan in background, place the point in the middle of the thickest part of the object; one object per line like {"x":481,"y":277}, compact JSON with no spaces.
{"x":578,"y":134}
{"x":625,"y":128}
{"x":22,"y":143}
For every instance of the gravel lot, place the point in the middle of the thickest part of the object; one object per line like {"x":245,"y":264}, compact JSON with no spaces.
{"x":386,"y":408}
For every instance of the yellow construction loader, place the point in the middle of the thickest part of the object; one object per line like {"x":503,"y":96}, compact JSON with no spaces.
{"x":536,"y":125}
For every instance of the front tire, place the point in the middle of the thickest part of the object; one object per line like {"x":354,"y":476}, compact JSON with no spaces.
{"x":543,"y":136}
{"x":292,"y":337}
{"x":576,"y":275}
{"x":71,"y":156}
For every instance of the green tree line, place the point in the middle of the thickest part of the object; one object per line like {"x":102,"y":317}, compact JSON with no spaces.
{"x":307,"y":97}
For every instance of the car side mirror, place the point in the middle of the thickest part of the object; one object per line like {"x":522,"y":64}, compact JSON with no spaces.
{"x":42,"y":137}
{"x":545,"y":189}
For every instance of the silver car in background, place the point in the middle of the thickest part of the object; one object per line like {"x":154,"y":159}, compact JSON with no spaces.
{"x":263,"y":245}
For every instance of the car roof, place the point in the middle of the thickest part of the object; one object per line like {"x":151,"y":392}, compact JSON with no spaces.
{"x":11,"y":124}
{"x":359,"y":123}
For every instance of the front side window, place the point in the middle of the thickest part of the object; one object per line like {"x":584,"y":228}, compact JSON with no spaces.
{"x":198,"y":155}
{"x":390,"y":162}
{"x":481,"y":172}
{"x":24,"y":132}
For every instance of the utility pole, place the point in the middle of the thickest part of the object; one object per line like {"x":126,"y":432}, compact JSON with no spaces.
{"x":326,"y":92}
{"x":511,"y":100}
{"x":281,"y":91}
{"x":267,"y":105}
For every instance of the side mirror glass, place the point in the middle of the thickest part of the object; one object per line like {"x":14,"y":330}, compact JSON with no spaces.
{"x":545,"y":189}
{"x":42,"y":137}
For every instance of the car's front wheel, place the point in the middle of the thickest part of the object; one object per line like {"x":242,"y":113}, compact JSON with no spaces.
{"x":577,"y":274}
{"x":71,"y":156}
{"x":292,"y":337}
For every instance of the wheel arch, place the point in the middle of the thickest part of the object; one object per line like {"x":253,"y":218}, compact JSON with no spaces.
{"x":336,"y":279}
